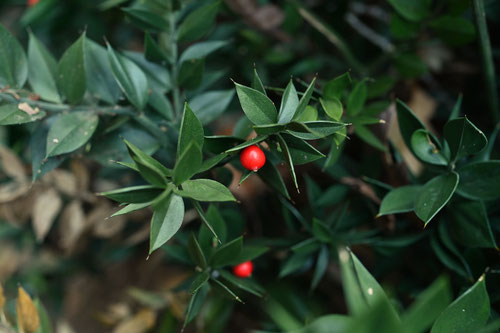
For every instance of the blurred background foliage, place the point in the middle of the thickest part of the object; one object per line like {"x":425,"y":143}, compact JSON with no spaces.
{"x":91,"y":273}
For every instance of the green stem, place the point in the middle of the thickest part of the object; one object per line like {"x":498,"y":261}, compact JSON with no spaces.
{"x":488,"y":65}
{"x":51,"y":107}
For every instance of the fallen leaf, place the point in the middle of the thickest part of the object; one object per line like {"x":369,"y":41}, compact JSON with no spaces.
{"x":28,"y":109}
{"x":81,"y":174}
{"x":143,"y":321}
{"x":45,"y":209}
{"x":13,"y":190}
{"x":27,"y":315}
{"x":12,"y":164}
{"x":2,"y":298}
{"x":64,"y":181}
{"x":72,"y":225}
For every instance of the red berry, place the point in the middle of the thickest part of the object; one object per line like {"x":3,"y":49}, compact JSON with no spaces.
{"x":252,"y":158}
{"x":31,"y":3}
{"x":243,"y":270}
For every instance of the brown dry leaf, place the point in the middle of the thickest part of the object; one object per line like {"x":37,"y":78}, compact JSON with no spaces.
{"x":81,"y":174}
{"x":72,"y":225}
{"x":27,"y":315}
{"x":143,"y":321}
{"x":28,"y":109}
{"x":115,"y":313}
{"x":13,"y":190}
{"x":64,"y":181}
{"x":2,"y":298}
{"x":12,"y":164}
{"x":103,"y":227}
{"x":11,"y":259}
{"x":16,"y":207}
{"x":64,"y":327}
{"x":45,"y":209}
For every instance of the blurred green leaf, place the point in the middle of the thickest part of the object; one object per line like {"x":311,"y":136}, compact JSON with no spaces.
{"x":198,"y":22}
{"x":146,"y":19}
{"x":400,"y":200}
{"x":199,"y":281}
{"x":412,"y":10}
{"x":453,"y":30}
{"x":191,"y":74}
{"x":357,"y":98}
{"x":224,"y":254}
{"x":10,"y":114}
{"x":321,"y":265}
{"x":409,"y":65}
{"x":480,"y":180}
{"x":333,"y":108}
{"x":210,"y":105}
{"x":335,"y":87}
{"x":202,"y":49}
{"x":13,"y":63}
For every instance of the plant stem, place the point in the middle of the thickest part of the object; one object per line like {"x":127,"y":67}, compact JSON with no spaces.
{"x":175,"y":68}
{"x":51,"y":107}
{"x":488,"y":65}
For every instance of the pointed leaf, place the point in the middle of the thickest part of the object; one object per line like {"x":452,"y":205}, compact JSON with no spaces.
{"x":288,"y":158}
{"x":198,"y":22}
{"x":257,"y":106}
{"x":248,"y":143}
{"x":357,"y":98}
{"x":434,"y":195}
{"x":202,"y":49}
{"x":304,"y":100}
{"x":70,"y":131}
{"x":42,"y":70}
{"x":408,"y":122}
{"x":131,"y":208}
{"x":480,"y":180}
{"x":209,"y":105}
{"x":321,"y":265}
{"x":425,"y":149}
{"x":188,"y":164}
{"x":199,"y":281}
{"x":205,"y":190}
{"x":130,"y":78}
{"x":196,"y":252}
{"x":134,"y":194}
{"x":13,"y":63}
{"x":71,"y":78}
{"x":166,"y":221}
{"x":463,"y":138}
{"x":224,"y":254}
{"x":399,"y":200}
{"x":289,"y":104}
{"x":333,"y":107}
{"x":301,"y":151}
{"x":191,"y":130}
{"x":272,"y":177}
{"x":335,"y":87}
{"x":468,"y":313}
{"x":149,"y":168}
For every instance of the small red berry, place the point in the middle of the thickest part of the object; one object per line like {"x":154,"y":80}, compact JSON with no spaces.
{"x":252,"y":158}
{"x":31,"y":3}
{"x":243,"y":270}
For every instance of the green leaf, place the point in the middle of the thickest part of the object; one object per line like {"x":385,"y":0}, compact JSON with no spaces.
{"x":248,"y":253}
{"x":321,"y":231}
{"x":454,"y":30}
{"x":367,"y":136}
{"x":195,"y":252}
{"x":427,"y":307}
{"x":199,"y":281}
{"x":304,"y":100}
{"x":195,"y":303}
{"x":158,"y":76}
{"x":289,"y":104}
{"x":463,"y":138}
{"x":434,"y":195}
{"x":408,"y":122}
{"x":257,"y":106}
{"x":399,"y":200}
{"x":333,"y":323}
{"x":269,"y":129}
{"x":288,"y":158}
{"x":309,"y":114}
{"x":244,"y":284}
{"x":318,"y":129}
{"x":470,"y":225}
{"x":272,"y":177}
{"x":205,"y":190}
{"x":357,"y":98}
{"x":202,"y":49}
{"x":456,"y":108}
{"x":45,"y":324}
{"x":468,"y":313}
{"x":225,"y":290}
{"x":218,"y":144}
{"x":209,"y":105}
{"x":447,"y":259}
{"x":335,"y":87}
{"x":412,"y":10}
{"x":219,"y":226}
{"x":333,"y":107}
{"x":153,"y":171}
{"x":224,"y":254}
{"x":295,"y":262}
{"x":166,"y":221}
{"x":321,"y":265}
{"x":480,"y":180}
{"x":71,"y":78}
{"x":361,"y":290}
{"x":146,"y":19}
{"x":402,"y":29}
{"x":100,"y":81}
{"x":13,"y":63}
{"x":301,"y":151}
{"x":70,"y":131}
{"x":187,"y":164}
{"x":248,"y":143}
{"x":42,"y":70}
{"x":206,"y":223}
{"x":198,"y":22}
{"x":130,"y":78}
{"x":159,"y":102}
{"x":212,"y":162}
{"x":191,"y":74}
{"x":131,"y":208}
{"x":409,"y":65}
{"x":257,"y":82}
{"x":10,"y":114}
{"x":152,"y":50}
{"x":191,"y":130}
{"x":425,"y":149}
{"x":134,"y":194}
